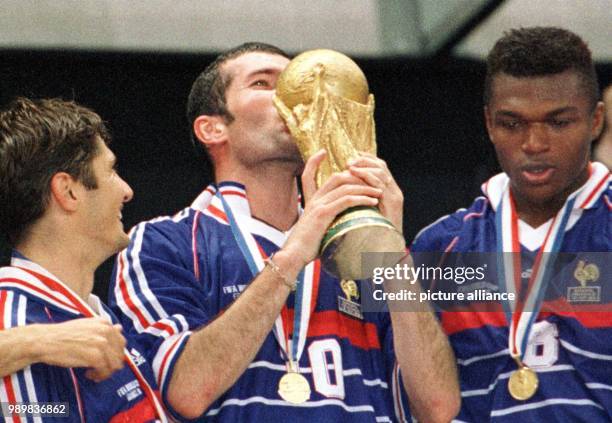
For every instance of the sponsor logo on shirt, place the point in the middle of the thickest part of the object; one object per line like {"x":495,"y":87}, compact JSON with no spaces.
{"x":137,"y":358}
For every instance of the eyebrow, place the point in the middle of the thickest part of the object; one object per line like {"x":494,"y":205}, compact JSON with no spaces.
{"x":266,"y":71}
{"x":561,"y":110}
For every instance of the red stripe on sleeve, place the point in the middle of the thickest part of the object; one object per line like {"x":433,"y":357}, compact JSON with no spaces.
{"x":165,"y":359}
{"x":126,"y":297}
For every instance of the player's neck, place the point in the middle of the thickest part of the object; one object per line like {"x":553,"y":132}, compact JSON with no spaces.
{"x":539,"y":212}
{"x":536,"y":215}
{"x":272,"y":194}
{"x":67,"y":259}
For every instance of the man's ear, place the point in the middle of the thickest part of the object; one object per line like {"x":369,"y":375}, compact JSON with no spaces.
{"x":210,"y":130}
{"x":599,"y":115}
{"x":488,"y":122}
{"x":65,"y":191}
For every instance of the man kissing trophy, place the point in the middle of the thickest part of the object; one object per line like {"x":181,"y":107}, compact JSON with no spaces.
{"x":324,"y":99}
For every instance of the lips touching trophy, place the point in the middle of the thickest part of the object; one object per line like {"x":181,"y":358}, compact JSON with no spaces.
{"x":324,"y":99}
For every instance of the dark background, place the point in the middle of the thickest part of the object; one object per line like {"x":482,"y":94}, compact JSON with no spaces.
{"x":429,"y":121}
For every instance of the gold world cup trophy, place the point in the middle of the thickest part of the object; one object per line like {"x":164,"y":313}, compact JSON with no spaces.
{"x":324,"y":99}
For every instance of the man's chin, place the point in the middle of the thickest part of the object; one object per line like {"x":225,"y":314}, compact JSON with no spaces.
{"x":537,"y":195}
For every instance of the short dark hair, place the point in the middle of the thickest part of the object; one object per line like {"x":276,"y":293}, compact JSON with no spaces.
{"x":541,"y":51}
{"x":39,"y":138}
{"x":207,"y":95}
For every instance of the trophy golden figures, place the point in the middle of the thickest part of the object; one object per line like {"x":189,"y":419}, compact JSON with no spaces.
{"x":324,"y":99}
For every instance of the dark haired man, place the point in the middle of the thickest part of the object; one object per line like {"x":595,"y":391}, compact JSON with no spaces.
{"x":520,"y":364}
{"x":208,"y":291}
{"x":60,"y":205}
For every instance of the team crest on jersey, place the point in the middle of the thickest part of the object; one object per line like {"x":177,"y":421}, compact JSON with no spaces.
{"x":347,"y":305}
{"x":584,"y":273}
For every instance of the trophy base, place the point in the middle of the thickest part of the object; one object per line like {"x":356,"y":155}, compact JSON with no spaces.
{"x":355,"y":231}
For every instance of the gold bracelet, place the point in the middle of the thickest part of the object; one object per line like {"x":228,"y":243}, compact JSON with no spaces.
{"x":277,"y":270}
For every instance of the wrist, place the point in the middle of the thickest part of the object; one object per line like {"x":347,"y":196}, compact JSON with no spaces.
{"x":288,"y":264}
{"x":276,"y":270}
{"x":32,"y":338}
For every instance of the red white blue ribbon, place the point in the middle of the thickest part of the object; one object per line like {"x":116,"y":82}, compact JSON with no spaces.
{"x":509,"y":268}
{"x":254,"y":256}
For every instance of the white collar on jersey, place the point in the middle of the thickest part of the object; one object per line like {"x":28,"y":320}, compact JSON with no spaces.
{"x":235,"y":194}
{"x":19,"y":261}
{"x":532,"y":238}
{"x":494,"y":188}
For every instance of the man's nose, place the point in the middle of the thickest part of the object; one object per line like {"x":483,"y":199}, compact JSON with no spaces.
{"x":536,"y":139}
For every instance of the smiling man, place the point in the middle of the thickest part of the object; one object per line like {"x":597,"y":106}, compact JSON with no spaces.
{"x":229,"y":299}
{"x":60,"y":205}
{"x":525,"y":364}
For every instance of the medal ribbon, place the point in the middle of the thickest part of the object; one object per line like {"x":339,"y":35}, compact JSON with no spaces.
{"x":509,"y":268}
{"x":254,"y":257}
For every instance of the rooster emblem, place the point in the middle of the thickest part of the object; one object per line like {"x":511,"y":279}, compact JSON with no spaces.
{"x":586,"y":273}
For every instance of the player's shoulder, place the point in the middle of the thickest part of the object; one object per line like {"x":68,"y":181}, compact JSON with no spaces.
{"x":172,"y":230}
{"x":595,"y":200}
{"x":597,"y":192}
{"x":439,"y":234}
{"x":169,"y":224}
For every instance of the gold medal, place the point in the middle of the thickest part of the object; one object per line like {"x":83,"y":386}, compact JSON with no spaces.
{"x":294,"y":388}
{"x":523,"y":383}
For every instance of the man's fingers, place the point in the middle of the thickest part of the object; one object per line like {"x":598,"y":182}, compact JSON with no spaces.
{"x":372,"y":176}
{"x":340,"y":204}
{"x":368,"y":160}
{"x":351,"y":190}
{"x":365,"y":159}
{"x":309,"y":183}
{"x":339,"y":179}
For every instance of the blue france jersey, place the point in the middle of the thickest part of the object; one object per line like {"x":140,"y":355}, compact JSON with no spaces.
{"x":570,"y":348}
{"x":179,"y":273}
{"x":30,"y":298}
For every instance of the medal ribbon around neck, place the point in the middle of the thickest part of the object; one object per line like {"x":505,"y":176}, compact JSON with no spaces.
{"x":509,"y":268}
{"x":254,"y":257}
